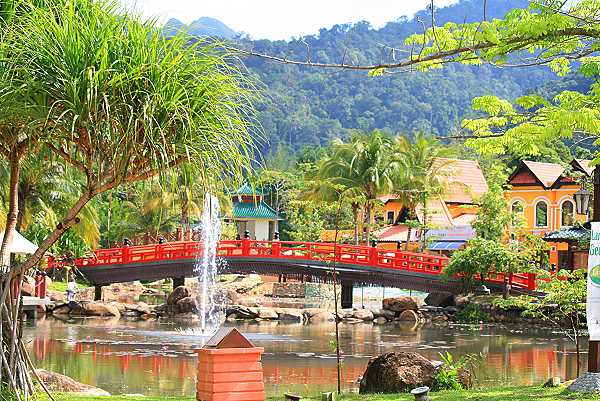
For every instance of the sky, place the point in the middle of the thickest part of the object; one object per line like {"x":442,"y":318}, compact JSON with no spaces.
{"x":281,"y":19}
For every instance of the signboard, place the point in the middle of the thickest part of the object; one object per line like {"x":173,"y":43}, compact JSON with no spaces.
{"x":593,"y":284}
{"x":455,"y":233}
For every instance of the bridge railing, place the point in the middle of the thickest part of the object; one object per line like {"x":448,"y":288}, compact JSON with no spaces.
{"x":317,"y":251}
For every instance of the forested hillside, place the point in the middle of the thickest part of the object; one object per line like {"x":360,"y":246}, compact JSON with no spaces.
{"x":309,"y":106}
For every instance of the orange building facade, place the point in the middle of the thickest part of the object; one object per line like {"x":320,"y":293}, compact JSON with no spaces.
{"x":542,"y":195}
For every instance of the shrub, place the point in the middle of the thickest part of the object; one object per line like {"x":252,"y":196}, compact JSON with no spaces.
{"x":472,"y":313}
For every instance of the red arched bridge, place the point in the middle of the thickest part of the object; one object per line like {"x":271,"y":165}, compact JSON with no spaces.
{"x":314,"y":260}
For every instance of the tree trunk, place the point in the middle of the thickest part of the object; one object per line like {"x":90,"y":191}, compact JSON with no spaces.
{"x":69,"y":221}
{"x":23,"y":191}
{"x":13,"y":209}
{"x":408,"y":234}
{"x":368,"y":230}
{"x":14,"y":373}
{"x":355,"y":211}
{"x":577,"y":347}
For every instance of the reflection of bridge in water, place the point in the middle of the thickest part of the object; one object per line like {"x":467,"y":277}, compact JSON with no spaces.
{"x":311,"y":260}
{"x":136,"y":365}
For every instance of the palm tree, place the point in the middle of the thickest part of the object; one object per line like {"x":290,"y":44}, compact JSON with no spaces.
{"x":364,"y":168}
{"x":421,"y":165}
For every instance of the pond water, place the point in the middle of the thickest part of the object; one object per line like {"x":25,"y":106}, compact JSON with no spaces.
{"x":157,"y":357}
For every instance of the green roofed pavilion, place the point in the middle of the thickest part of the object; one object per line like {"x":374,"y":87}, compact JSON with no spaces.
{"x":251,"y":213}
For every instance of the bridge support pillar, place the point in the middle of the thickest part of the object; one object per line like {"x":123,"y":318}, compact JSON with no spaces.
{"x":178,"y":282}
{"x":97,"y":293}
{"x":347,"y":295}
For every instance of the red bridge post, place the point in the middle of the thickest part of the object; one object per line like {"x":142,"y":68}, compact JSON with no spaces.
{"x":531,"y":285}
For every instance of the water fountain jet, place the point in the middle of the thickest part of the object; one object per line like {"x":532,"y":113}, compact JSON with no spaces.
{"x":206,"y":267}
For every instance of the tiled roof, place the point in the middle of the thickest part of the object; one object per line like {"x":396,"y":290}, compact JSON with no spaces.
{"x":584,"y":165}
{"x":464,"y":219}
{"x":251,"y":210}
{"x":569,"y":234}
{"x":465,"y":180}
{"x":396,"y":233}
{"x":437,"y":214}
{"x":547,"y":173}
{"x":246,"y":189}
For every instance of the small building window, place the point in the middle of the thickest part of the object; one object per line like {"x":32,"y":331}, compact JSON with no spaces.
{"x":567,"y":217}
{"x":541,"y":214}
{"x":390,"y":217}
{"x":517,"y":210}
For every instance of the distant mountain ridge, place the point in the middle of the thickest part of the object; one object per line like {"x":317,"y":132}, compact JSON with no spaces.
{"x":305,"y":106}
{"x":204,"y":27}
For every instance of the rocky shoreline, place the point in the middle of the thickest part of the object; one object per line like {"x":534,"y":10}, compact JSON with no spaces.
{"x":248,"y":300}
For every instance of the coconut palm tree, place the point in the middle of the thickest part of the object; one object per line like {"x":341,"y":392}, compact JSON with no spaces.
{"x":421,"y":170}
{"x":364,"y":168}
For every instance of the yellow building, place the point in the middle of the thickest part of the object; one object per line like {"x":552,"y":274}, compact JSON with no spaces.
{"x":542,"y":194}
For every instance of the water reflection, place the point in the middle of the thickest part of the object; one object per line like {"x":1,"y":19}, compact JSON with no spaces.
{"x":151,"y":357}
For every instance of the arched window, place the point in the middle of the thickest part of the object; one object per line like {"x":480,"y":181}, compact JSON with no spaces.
{"x":567,"y":217}
{"x":541,"y":214}
{"x":517,"y":209}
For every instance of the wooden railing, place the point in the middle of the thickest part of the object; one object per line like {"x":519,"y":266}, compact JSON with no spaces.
{"x":308,"y":251}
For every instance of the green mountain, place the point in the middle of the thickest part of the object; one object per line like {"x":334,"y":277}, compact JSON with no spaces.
{"x":306,"y":106}
{"x":204,"y":27}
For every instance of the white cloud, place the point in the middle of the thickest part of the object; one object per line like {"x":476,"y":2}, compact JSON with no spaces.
{"x":281,"y":19}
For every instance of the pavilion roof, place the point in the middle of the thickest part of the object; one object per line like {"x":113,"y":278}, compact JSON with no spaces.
{"x":254,"y":210}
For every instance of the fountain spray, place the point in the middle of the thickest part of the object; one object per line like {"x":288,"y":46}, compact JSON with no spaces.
{"x":206,"y":269}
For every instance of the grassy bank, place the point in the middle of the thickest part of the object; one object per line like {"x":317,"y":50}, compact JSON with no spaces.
{"x":502,"y":394}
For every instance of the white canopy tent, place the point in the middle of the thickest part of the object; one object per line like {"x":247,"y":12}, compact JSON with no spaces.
{"x":20,"y":245}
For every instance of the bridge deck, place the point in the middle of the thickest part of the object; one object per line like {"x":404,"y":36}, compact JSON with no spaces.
{"x":353,"y":263}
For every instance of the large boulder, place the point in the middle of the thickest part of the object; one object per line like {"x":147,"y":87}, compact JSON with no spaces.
{"x":396,"y":372}
{"x":322,"y":317}
{"x":364,"y":314}
{"x":56,"y":382}
{"x":267,"y":313}
{"x":141,"y":308}
{"x":402,"y":303}
{"x":178,"y":294}
{"x":409,"y":316}
{"x":290,"y":315}
{"x":187,"y":305}
{"x":94,"y":309}
{"x":440,"y":299}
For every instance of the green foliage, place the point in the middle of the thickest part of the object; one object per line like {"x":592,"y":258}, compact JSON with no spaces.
{"x":481,"y":257}
{"x":493,"y":216}
{"x":521,"y":302}
{"x":324,"y":105}
{"x":448,"y":375}
{"x":564,"y":300}
{"x":472,"y":313}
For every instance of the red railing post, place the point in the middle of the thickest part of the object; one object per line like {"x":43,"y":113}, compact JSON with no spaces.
{"x":276,"y":248}
{"x":373,"y":254}
{"x":531,"y":284}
